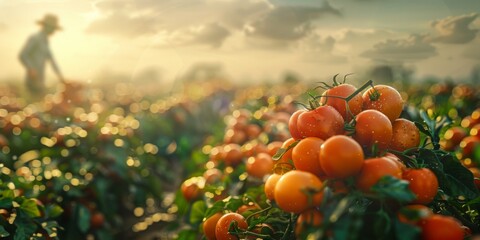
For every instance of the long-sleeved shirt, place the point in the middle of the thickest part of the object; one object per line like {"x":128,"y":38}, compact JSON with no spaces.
{"x":35,"y":53}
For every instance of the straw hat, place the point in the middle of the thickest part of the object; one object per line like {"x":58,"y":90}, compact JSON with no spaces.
{"x":50,"y":20}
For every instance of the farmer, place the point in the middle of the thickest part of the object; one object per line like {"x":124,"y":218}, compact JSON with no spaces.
{"x":36,"y":53}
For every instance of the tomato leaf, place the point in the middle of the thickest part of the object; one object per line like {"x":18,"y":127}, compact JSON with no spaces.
{"x":188,"y":234}
{"x":25,"y":226}
{"x":29,"y":206}
{"x":198,"y":211}
{"x":53,"y":211}
{"x":394,"y":188}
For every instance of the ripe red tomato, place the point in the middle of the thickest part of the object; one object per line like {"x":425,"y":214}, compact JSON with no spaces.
{"x":210,"y":224}
{"x":305,"y":155}
{"x":374,"y":169}
{"x":405,"y":135}
{"x":322,"y":122}
{"x":385,"y":99}
{"x":439,"y":227}
{"x":223,"y":224}
{"x":341,"y":156}
{"x":423,"y":183}
{"x":292,"y":124}
{"x":373,"y":127}
{"x":344,"y":90}
{"x":292,"y":189}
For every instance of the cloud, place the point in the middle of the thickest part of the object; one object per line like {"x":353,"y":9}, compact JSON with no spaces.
{"x":212,"y":34}
{"x":454,"y":29}
{"x":120,"y":24}
{"x":318,"y":49}
{"x":178,"y":22}
{"x":289,"y":23}
{"x":413,"y":48}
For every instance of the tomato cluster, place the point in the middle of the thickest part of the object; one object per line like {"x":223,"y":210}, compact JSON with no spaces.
{"x":351,"y":158}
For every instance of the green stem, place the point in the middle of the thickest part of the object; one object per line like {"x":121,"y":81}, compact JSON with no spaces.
{"x":359,"y":90}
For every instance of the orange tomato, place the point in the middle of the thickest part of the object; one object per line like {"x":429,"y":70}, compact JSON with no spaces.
{"x":373,"y":127}
{"x":341,"y":156}
{"x":223,"y":224}
{"x":374,"y":169}
{"x":322,"y":122}
{"x":385,"y":99}
{"x":344,"y":90}
{"x":210,"y":224}
{"x":439,"y":227}
{"x":260,"y":165}
{"x":305,"y":155}
{"x":293,"y":188}
{"x":405,"y":135}
{"x":423,"y":183}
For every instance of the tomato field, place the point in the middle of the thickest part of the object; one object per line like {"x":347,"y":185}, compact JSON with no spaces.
{"x":214,"y":160}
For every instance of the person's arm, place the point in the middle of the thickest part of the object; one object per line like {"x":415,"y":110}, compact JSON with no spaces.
{"x":56,"y":69}
{"x":25,"y":56}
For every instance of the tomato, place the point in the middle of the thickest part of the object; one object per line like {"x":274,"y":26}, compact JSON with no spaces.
{"x":210,"y":224}
{"x":260,"y":165}
{"x":292,"y":189}
{"x":341,"y":156}
{"x":223,"y":224}
{"x":385,"y":99}
{"x":468,"y":145}
{"x":97,"y":220}
{"x":344,"y":90}
{"x":235,"y":136}
{"x":423,"y":183}
{"x":455,"y":134}
{"x":439,"y":227}
{"x":292,"y":124}
{"x":252,"y":131}
{"x":414,"y":213}
{"x":373,"y":127}
{"x":192,"y":188}
{"x":233,"y":154}
{"x":307,"y":219}
{"x":270,"y":184}
{"x":397,"y":160}
{"x":374,"y":169}
{"x":305,"y":155}
{"x":213,"y":175}
{"x":405,"y":135}
{"x":248,"y":209}
{"x":322,"y":122}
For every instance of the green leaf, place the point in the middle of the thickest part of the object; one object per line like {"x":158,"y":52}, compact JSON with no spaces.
{"x":188,"y":234}
{"x":8,"y":194}
{"x":51,"y":227}
{"x":405,"y":231}
{"x":25,"y":226}
{"x":394,"y":188}
{"x":6,"y":203}
{"x":29,"y":206}
{"x":103,"y":234}
{"x":83,"y":218}
{"x":198,"y":211}
{"x":53,"y":211}
{"x":3,"y":232}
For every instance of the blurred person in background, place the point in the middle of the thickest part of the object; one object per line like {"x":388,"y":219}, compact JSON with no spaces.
{"x":35,"y":54}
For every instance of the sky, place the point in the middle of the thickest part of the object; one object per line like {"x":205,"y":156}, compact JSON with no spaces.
{"x":249,"y":40}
